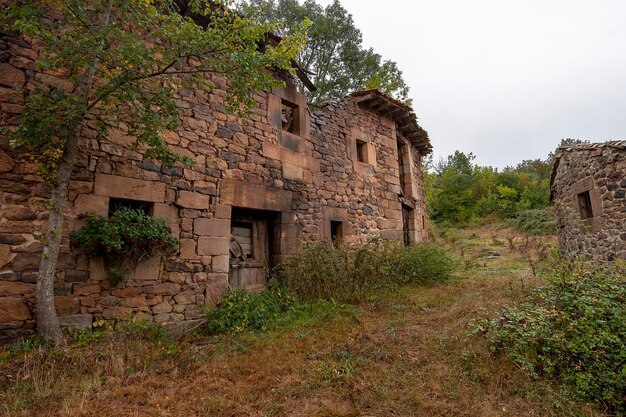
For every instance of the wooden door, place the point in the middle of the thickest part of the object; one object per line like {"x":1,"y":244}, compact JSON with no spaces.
{"x":249,"y":252}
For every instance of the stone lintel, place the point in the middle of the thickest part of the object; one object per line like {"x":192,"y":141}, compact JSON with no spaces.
{"x":129,"y":188}
{"x":255,"y":196}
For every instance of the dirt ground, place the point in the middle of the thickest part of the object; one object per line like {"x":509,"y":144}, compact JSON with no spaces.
{"x":407,"y":354}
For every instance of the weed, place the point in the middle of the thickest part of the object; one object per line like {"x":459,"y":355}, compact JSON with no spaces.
{"x":338,"y":369}
{"x":241,"y":311}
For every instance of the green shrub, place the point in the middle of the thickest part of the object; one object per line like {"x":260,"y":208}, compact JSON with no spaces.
{"x":535,"y":222}
{"x":352,"y":273}
{"x":572,"y":330}
{"x":318,"y":272}
{"x":425,"y":264}
{"x":124,"y":238}
{"x":241,"y":311}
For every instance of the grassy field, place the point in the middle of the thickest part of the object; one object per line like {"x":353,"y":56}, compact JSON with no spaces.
{"x":406,"y":354}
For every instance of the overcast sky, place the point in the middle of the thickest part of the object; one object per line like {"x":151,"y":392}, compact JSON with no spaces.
{"x":505,"y":79}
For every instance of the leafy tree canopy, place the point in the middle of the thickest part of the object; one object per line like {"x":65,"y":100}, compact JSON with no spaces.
{"x":334,"y":55}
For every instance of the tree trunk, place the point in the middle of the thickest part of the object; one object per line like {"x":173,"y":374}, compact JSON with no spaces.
{"x":47,"y":320}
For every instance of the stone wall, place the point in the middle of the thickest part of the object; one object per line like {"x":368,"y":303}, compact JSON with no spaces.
{"x":588,"y":189}
{"x":304,"y":184}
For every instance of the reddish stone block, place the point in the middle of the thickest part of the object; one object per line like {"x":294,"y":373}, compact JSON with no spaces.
{"x":254,"y":196}
{"x":220,"y":264}
{"x":213,"y":246}
{"x":162,"y":308}
{"x":135,"y":302}
{"x":166,"y":288}
{"x":129,"y":188}
{"x":148,"y":269}
{"x":87,"y":289}
{"x":67,"y":305}
{"x":13,"y":309}
{"x":11,"y":288}
{"x":188,"y":249}
{"x":25,"y":262}
{"x":11,"y":76}
{"x":187,"y":297}
{"x":89,"y":203}
{"x":5,"y":255}
{"x":212,"y":227}
{"x":6,"y":162}
{"x":117,"y":313}
{"x":192,"y":200}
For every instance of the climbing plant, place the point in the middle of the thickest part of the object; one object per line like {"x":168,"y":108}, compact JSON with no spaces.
{"x":124,"y":239}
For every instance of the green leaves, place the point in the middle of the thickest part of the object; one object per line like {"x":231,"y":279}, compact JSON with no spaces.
{"x":334,"y":54}
{"x":124,"y":238}
{"x":574,"y":331}
{"x":351,"y":274}
{"x":241,"y":311}
{"x":126,"y":60}
{"x":460,"y":192}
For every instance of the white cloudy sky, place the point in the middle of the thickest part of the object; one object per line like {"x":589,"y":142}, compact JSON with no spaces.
{"x":505,"y":79}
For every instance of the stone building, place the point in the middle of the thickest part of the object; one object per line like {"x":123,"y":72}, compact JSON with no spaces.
{"x":588,"y":187}
{"x":285,"y":176}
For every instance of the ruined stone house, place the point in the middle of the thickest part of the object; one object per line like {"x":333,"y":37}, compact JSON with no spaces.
{"x":288,"y":174}
{"x":588,"y":187}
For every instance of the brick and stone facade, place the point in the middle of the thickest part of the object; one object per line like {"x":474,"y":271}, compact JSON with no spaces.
{"x":260,"y":188}
{"x":588,"y":188}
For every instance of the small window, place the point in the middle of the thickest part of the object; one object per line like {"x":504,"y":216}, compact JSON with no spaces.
{"x":116,"y":204}
{"x":336,"y":231}
{"x":361,"y":151}
{"x":584,"y":204}
{"x":242,"y":233}
{"x":289,"y":116}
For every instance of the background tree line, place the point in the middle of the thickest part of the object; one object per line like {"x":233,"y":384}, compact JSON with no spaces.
{"x":458,"y":191}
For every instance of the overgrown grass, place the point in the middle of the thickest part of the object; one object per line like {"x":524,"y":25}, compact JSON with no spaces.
{"x":33,"y":377}
{"x":241,"y":311}
{"x":572,"y":331}
{"x":352,"y":273}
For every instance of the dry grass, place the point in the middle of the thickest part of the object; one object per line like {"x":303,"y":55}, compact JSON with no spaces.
{"x":408,"y":354}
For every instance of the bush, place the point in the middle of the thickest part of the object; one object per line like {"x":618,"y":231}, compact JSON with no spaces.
{"x":124,"y":238}
{"x":573,"y":330}
{"x":241,"y":311}
{"x":425,"y":264}
{"x":352,"y":273}
{"x":535,"y":222}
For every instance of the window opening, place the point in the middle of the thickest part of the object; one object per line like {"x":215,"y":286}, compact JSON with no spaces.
{"x":336,"y":231}
{"x":401,"y":151}
{"x":406,"y":225}
{"x":584,"y":203}
{"x":242,"y":233}
{"x":361,"y":151}
{"x":116,"y":204}
{"x":289,"y":116}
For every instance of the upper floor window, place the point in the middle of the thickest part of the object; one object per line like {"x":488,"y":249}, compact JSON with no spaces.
{"x":290,"y":117}
{"x":288,"y":112}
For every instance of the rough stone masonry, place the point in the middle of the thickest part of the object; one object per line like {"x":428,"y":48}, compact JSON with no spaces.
{"x":588,"y":188}
{"x":260,"y":188}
